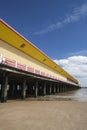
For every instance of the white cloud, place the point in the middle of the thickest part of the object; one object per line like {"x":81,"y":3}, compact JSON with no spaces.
{"x":76,"y":66}
{"x":75,"y":16}
{"x":82,"y":52}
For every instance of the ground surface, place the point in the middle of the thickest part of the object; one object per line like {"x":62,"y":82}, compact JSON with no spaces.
{"x":43,"y":115}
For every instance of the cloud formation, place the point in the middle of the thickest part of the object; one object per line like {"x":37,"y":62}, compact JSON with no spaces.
{"x":76,"y":66}
{"x":82,"y":52}
{"x":75,"y":16}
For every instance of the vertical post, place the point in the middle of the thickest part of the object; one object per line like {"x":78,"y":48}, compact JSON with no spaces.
{"x":4,"y":88}
{"x":36,"y":88}
{"x":23,"y":89}
{"x":54,"y":89}
{"x":62,"y":88}
{"x":58,"y":88}
{"x":50,"y":88}
{"x":44,"y":88}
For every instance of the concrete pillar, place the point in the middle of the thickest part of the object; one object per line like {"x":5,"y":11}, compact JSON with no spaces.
{"x":54,"y":89}
{"x":15,"y":91}
{"x":44,"y":88}
{"x":4,"y":89}
{"x":66,"y":88}
{"x":23,"y":92}
{"x":63,"y":88}
{"x":57,"y":89}
{"x":36,"y":88}
{"x":50,"y":88}
{"x":60,"y":89}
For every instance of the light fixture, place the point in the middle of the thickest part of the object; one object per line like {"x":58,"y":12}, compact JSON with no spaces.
{"x":22,"y":45}
{"x":44,"y":59}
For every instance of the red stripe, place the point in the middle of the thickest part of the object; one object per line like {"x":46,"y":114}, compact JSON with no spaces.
{"x":30,"y":69}
{"x":43,"y":73}
{"x":19,"y":66}
{"x":37,"y":71}
{"x":10,"y":62}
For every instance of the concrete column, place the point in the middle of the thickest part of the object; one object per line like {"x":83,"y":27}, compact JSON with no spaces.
{"x":15,"y":91}
{"x":44,"y":88}
{"x":63,"y":88}
{"x":60,"y":89}
{"x":54,"y":89}
{"x":57,"y":89}
{"x":23,"y":92}
{"x":66,"y":88}
{"x":50,"y":88}
{"x":36,"y":88}
{"x":4,"y":89}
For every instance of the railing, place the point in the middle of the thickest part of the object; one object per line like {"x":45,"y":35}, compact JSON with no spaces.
{"x":15,"y":64}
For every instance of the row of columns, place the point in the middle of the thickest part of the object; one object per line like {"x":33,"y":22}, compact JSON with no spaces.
{"x":39,"y":88}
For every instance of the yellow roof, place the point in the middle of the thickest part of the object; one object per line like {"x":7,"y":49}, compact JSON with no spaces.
{"x":16,"y":40}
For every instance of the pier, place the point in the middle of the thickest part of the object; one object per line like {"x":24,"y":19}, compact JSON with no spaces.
{"x":25,"y":71}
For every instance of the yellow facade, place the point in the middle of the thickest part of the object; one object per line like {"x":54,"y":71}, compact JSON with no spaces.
{"x":14,"y":54}
{"x":16,"y":47}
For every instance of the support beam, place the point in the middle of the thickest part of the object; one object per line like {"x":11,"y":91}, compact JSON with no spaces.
{"x":36,"y":88}
{"x":57,"y":89}
{"x":50,"y":88}
{"x":23,"y":92}
{"x":44,"y":88}
{"x":4,"y":88}
{"x":54,"y":88}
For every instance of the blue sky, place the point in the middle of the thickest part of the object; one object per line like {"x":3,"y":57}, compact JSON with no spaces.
{"x":57,"y":27}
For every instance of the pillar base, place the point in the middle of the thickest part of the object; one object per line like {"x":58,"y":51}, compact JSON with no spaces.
{"x":44,"y":94}
{"x":3,"y":99}
{"x":35,"y":96}
{"x":23,"y":97}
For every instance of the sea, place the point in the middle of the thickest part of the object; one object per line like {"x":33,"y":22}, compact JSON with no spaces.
{"x":76,"y":95}
{"x":79,"y":95}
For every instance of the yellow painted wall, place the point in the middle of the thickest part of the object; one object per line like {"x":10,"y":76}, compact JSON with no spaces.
{"x":14,"y":54}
